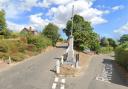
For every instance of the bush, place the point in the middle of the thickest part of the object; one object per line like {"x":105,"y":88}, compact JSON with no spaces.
{"x":121,"y":55}
{"x":17,"y":57}
{"x":3,"y":47}
{"x":39,"y":41}
{"x":32,"y":48}
{"x":105,"y":50}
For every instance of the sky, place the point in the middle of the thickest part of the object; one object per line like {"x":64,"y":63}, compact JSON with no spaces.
{"x":109,"y":18}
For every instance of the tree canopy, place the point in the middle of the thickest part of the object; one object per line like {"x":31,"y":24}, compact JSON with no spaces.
{"x":104,"y":42}
{"x":124,"y":38}
{"x":51,"y":31}
{"x":83,"y":33}
{"x":112,"y":42}
{"x":3,"y":25}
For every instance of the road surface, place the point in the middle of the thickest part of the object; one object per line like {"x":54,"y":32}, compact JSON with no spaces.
{"x":36,"y":74}
{"x":101,"y":74}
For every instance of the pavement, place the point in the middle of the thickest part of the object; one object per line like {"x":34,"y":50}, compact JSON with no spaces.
{"x":37,"y":73}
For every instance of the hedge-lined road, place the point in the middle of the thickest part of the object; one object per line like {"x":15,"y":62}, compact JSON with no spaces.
{"x":36,"y":74}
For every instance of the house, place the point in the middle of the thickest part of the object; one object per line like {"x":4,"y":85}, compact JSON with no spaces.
{"x":25,"y":31}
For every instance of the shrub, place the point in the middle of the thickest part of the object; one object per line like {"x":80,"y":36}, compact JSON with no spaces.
{"x":121,"y":55}
{"x":17,"y":57}
{"x":105,"y":50}
{"x":3,"y":47}
{"x":31,"y":47}
{"x":39,"y":41}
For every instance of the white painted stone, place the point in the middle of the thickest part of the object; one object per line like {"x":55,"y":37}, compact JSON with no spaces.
{"x":62,"y":59}
{"x":54,"y":86}
{"x":9,"y":60}
{"x":63,"y":81}
{"x":56,"y":79}
{"x":62,"y":86}
{"x":58,"y":66}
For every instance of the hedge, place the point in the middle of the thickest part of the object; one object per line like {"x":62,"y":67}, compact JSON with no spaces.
{"x":121,"y":55}
{"x":105,"y":50}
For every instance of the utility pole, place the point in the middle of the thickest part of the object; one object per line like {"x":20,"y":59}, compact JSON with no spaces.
{"x":72,"y":19}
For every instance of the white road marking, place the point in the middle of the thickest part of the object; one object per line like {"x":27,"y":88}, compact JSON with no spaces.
{"x":63,"y":81}
{"x":106,"y":74}
{"x":62,"y":86}
{"x":56,"y":79}
{"x":54,"y":86}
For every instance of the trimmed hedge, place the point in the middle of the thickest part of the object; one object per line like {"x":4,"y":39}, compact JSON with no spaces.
{"x":121,"y":55}
{"x":105,"y":50}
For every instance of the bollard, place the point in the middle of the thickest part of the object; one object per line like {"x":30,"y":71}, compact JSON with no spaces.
{"x":58,"y":66}
{"x":9,"y":60}
{"x":62,"y":59}
{"x":77,"y":61}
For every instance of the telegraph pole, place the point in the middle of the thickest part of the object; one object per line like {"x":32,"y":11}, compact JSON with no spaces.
{"x":72,"y":19}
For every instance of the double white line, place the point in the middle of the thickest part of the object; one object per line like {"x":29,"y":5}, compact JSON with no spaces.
{"x":62,"y":83}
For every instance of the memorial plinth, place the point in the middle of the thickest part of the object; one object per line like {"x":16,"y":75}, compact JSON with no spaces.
{"x":70,"y":52}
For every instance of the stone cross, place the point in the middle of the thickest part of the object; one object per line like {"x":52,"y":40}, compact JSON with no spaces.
{"x":70,"y":52}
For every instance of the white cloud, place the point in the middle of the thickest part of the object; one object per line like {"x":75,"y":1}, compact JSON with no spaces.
{"x":115,"y":8}
{"x":122,"y":30}
{"x":15,"y":27}
{"x":37,"y":20}
{"x":59,"y":11}
{"x":62,"y":13}
{"x":18,"y":27}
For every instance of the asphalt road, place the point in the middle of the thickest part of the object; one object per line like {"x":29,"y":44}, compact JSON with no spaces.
{"x":35,"y":74}
{"x":32,"y":74}
{"x":101,"y":74}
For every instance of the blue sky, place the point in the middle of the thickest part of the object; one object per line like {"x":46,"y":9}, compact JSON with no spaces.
{"x":108,"y":17}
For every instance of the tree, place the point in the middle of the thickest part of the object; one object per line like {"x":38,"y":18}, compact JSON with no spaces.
{"x":104,"y":42}
{"x":124,"y":38}
{"x":51,"y":31}
{"x":83,"y":33}
{"x":3,"y":26}
{"x":79,"y":24}
{"x":112,"y":42}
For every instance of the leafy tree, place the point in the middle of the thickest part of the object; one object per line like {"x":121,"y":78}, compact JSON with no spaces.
{"x":84,"y":37}
{"x":79,"y":24}
{"x":3,"y":26}
{"x":104,"y":42}
{"x":51,"y":31}
{"x":112,"y":42}
{"x":124,"y":38}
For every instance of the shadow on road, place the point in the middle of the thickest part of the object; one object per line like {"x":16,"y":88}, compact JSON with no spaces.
{"x":112,"y":73}
{"x":65,"y":47}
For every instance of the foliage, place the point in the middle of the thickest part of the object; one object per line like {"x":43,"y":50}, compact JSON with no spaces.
{"x":124,"y":38}
{"x":105,"y":50}
{"x":104,"y":42}
{"x":3,"y":47}
{"x":14,"y":35}
{"x":3,"y":26}
{"x":121,"y":55}
{"x":83,"y":33}
{"x":112,"y":42}
{"x":39,"y":41}
{"x":60,"y":39}
{"x":51,"y":31}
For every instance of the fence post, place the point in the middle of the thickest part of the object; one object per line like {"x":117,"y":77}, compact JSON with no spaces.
{"x":77,"y":61}
{"x":58,"y":66}
{"x":62,"y":59}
